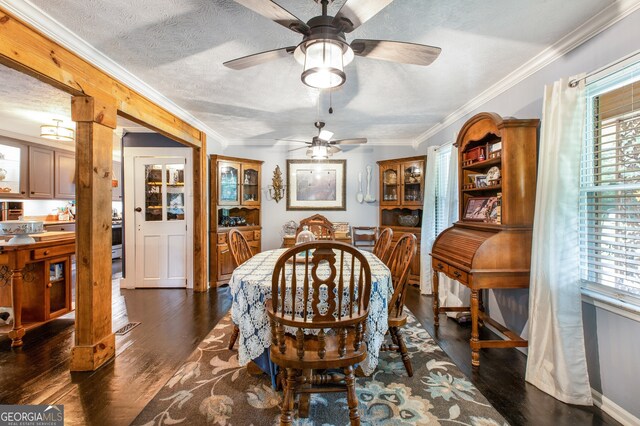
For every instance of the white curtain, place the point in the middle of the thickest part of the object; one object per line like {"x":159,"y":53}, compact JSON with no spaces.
{"x":450,"y":292}
{"x":427,"y":232}
{"x":557,"y":362}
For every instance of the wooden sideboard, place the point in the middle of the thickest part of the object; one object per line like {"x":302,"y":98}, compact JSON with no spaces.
{"x":289,"y":241}
{"x":490,"y":247}
{"x":35,"y":280}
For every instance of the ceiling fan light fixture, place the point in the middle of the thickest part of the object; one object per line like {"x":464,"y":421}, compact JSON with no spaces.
{"x":57,"y":132}
{"x":319,"y":152}
{"x":324,"y":63}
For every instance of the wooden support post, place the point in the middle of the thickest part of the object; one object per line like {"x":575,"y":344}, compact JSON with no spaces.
{"x":200,"y":240}
{"x":94,"y":339}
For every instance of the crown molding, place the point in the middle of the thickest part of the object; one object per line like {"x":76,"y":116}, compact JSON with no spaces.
{"x":54,"y":30}
{"x":594,"y":26}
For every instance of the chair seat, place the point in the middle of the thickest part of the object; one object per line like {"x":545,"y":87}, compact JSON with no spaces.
{"x":312,"y":359}
{"x":398,"y":321}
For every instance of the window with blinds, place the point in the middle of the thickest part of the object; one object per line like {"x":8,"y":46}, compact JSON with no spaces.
{"x":610,"y":184}
{"x":443,"y":156}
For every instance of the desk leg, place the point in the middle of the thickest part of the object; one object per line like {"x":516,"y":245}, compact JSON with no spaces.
{"x":475,"y":342}
{"x":17,"y":332}
{"x":436,"y":299}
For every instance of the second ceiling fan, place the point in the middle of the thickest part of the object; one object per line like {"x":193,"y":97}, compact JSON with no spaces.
{"x":322,"y":146}
{"x":324,"y":50}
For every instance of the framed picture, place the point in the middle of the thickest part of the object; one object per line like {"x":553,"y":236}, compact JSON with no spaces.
{"x":480,"y":181}
{"x":316,"y":185}
{"x":479,"y":208}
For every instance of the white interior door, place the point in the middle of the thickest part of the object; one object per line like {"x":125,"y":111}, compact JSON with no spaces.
{"x":161,"y":212}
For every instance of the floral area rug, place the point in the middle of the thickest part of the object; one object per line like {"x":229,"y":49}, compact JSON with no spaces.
{"x":212,"y":389}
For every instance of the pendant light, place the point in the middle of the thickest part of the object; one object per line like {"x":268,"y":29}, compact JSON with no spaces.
{"x":57,"y":132}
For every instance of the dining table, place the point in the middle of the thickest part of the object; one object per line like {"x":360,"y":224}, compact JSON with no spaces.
{"x":250,"y":287}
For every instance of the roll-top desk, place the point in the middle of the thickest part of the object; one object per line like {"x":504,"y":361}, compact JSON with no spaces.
{"x":490,"y":247}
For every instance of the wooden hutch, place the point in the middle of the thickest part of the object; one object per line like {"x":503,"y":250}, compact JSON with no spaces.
{"x":234,"y":203}
{"x":490,"y":246}
{"x":401,"y":201}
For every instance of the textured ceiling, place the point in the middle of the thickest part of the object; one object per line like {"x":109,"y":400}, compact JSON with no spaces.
{"x":178,"y":47}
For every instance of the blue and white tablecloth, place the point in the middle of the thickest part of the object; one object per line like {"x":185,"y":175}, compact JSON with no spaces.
{"x":250,"y":287}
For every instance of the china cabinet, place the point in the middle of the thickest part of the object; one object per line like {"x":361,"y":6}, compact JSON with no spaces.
{"x":401,"y":201}
{"x":235,"y":203}
{"x":490,"y":246}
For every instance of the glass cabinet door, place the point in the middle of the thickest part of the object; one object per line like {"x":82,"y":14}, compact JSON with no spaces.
{"x":229,"y":184}
{"x":390,"y":189}
{"x":412,"y":183}
{"x":250,"y":185}
{"x":153,"y":192}
{"x":12,"y":172}
{"x":175,"y":191}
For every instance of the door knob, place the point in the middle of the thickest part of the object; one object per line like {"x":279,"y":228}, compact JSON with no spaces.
{"x":138,"y":209}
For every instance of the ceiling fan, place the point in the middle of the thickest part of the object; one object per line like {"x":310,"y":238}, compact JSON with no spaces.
{"x":321,"y":146}
{"x":324,"y":50}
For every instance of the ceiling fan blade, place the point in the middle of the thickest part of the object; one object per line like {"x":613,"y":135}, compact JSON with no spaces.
{"x":276,"y":13}
{"x":259,"y":58}
{"x":356,"y":12}
{"x":354,"y":141}
{"x":300,"y":147}
{"x":294,"y":140}
{"x":325,"y":135}
{"x":333,"y":149}
{"x":396,"y":51}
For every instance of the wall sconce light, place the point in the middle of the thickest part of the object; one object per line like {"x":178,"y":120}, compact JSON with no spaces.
{"x":276,"y":189}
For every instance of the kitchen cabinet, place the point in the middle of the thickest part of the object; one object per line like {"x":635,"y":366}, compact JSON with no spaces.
{"x":36,"y":283}
{"x":65,"y":176}
{"x":13,"y":169}
{"x":116,"y":182}
{"x":41,"y":172}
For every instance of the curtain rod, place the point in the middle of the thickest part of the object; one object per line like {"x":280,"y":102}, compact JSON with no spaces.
{"x":575,"y":82}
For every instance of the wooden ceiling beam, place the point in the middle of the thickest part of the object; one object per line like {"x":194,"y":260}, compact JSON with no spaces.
{"x":27,"y":50}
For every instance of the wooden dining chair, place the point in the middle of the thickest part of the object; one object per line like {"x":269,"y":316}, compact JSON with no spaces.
{"x":381,"y":249}
{"x":332,"y":281}
{"x":240,"y":252}
{"x":364,"y":237}
{"x":399,"y":262}
{"x":319,"y":225}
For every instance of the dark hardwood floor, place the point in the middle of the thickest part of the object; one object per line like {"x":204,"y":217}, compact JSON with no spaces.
{"x":173,"y":322}
{"x":500,"y":377}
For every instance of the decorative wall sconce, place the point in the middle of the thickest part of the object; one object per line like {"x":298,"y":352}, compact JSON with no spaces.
{"x":276,"y":189}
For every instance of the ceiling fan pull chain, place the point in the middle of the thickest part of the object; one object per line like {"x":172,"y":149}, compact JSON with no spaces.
{"x":330,"y":102}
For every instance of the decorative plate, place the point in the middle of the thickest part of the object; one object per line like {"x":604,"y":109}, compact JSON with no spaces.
{"x":493,"y":173}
